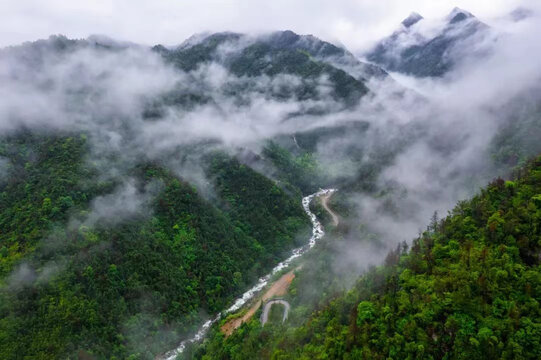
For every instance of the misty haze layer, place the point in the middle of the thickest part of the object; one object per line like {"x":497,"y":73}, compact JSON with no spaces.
{"x":290,"y":113}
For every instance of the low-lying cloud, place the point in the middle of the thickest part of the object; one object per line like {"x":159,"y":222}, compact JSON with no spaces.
{"x":436,"y":133}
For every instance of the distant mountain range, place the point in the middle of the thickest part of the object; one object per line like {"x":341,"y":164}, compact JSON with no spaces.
{"x":282,"y":52}
{"x":144,"y":188}
{"x":409,"y":51}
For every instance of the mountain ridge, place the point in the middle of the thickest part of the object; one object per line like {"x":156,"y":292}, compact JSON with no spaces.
{"x":427,"y":56}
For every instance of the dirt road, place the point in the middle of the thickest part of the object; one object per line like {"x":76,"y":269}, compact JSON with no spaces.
{"x":279,"y":288}
{"x":325,"y":204}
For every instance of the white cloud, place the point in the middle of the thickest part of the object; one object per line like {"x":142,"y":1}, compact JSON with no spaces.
{"x":355,"y":23}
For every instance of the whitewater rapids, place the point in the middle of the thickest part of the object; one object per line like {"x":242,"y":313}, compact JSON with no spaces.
{"x":317,"y":233}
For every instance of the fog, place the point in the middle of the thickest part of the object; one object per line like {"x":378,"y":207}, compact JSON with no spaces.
{"x":355,"y":23}
{"x":104,"y":91}
{"x":458,"y":117}
{"x":430,"y":140}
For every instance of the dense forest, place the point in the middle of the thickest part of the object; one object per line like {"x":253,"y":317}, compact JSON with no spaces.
{"x":468,"y":287}
{"x":104,"y":255}
{"x":144,"y":189}
{"x":115,"y":289}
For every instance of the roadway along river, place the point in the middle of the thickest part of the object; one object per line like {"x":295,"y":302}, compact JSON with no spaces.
{"x":317,"y":233}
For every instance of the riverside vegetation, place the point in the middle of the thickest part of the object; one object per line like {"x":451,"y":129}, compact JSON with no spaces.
{"x":469,"y":287}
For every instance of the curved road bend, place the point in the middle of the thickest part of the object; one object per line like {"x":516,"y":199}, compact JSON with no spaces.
{"x":317,"y":234}
{"x":266,"y":310}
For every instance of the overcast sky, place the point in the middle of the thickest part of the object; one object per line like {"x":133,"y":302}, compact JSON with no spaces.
{"x":355,"y":23}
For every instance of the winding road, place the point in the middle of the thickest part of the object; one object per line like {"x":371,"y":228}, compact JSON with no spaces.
{"x":278,"y":288}
{"x":325,"y":203}
{"x":267,"y":307}
{"x":317,"y":234}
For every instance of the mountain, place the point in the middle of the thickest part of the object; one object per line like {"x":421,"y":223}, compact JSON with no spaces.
{"x":408,"y":50}
{"x":272,"y":55}
{"x":200,"y":48}
{"x":521,"y":13}
{"x":106,"y":255}
{"x":467,"y":288}
{"x":279,"y":53}
{"x":110,"y":268}
{"x":123,"y":224}
{"x":143,"y":190}
{"x":412,"y":19}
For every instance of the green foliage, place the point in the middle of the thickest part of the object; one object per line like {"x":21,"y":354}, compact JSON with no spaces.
{"x":276,"y":314}
{"x":259,"y":207}
{"x":469,"y":288}
{"x":518,"y":139}
{"x":281,"y":53}
{"x":131,"y":287}
{"x":300,"y":171}
{"x":43,"y":184}
{"x":263,"y":59}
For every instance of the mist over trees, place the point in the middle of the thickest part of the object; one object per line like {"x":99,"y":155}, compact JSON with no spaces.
{"x":142,"y":189}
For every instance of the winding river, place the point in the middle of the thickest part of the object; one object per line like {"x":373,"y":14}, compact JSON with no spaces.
{"x":317,"y":233}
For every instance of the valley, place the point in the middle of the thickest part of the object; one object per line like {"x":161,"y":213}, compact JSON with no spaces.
{"x":277,"y":288}
{"x":171,"y":191}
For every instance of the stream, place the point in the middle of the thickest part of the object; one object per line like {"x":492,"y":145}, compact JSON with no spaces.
{"x":317,"y":233}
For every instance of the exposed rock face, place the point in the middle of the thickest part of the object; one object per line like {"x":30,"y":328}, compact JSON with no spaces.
{"x":410,"y":52}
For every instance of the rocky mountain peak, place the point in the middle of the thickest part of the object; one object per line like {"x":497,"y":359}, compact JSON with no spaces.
{"x":412,"y":19}
{"x":457,"y":15}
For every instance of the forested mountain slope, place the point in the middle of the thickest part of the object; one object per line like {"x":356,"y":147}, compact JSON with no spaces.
{"x":118,"y":235}
{"x":81,"y":274}
{"x":469,"y":287}
{"x":278,"y":54}
{"x":143,"y":189}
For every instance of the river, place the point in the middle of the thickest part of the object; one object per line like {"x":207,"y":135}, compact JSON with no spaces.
{"x":317,"y":233}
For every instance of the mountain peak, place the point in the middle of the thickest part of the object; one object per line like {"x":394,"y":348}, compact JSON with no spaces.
{"x":521,"y":13}
{"x":412,"y":19}
{"x":283,"y":38}
{"x":209,"y":38}
{"x":458,"y":15}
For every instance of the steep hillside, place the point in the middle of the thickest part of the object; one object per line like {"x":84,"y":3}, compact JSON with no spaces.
{"x":143,"y":189}
{"x":119,"y":268}
{"x":280,"y":53}
{"x":410,"y":51}
{"x":118,"y":242}
{"x":469,"y":287}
